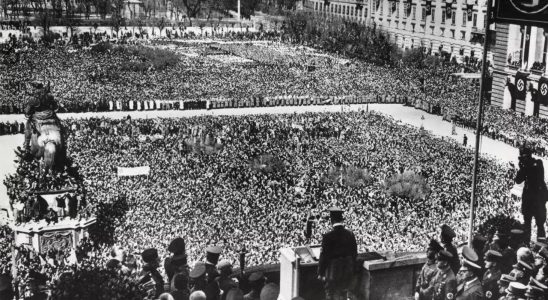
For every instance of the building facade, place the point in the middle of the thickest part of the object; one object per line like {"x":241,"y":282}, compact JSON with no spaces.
{"x":453,"y":26}
{"x":520,"y":57}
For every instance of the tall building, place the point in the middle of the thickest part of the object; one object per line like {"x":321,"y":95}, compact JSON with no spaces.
{"x":520,"y":56}
{"x":453,"y":26}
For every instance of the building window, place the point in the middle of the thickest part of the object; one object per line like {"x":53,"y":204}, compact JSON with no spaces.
{"x":463,"y":35}
{"x":315,"y":5}
{"x":382,"y":7}
{"x":443,"y":16}
{"x":453,"y":17}
{"x":365,"y":11}
{"x":452,"y":33}
{"x":414,"y":13}
{"x":397,"y":10}
{"x":464,"y":18}
{"x":423,"y":14}
{"x":475,"y":20}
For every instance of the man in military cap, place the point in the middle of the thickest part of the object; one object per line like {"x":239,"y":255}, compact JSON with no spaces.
{"x":444,"y":284}
{"x":178,"y":261}
{"x":469,"y":254}
{"x":515,"y":291}
{"x":225,"y":280}
{"x":501,"y":244}
{"x":503,"y":284}
{"x":522,"y":271}
{"x":151,"y":279}
{"x":536,"y":290}
{"x":212,"y":258}
{"x":198,"y":278}
{"x":256,"y":282}
{"x":470,"y":288}
{"x":446,"y":236}
{"x":535,"y":194}
{"x":337,"y":258}
{"x":428,"y":272}
{"x":492,"y":274}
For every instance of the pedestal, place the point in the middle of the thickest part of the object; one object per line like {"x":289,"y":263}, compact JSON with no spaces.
{"x":65,"y":234}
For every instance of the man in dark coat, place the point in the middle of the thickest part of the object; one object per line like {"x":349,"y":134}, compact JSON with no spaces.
{"x":444,"y":284}
{"x":470,"y":288}
{"x":492,"y":275}
{"x":428,"y":272}
{"x":337,"y":258}
{"x":446,"y":236}
{"x":178,"y":260}
{"x":212,"y":258}
{"x":533,"y":203}
{"x":151,"y":279}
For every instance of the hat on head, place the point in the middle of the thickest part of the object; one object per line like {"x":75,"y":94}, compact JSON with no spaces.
{"x":197,"y":295}
{"x":525,"y":255}
{"x":536,"y":283}
{"x":507,"y":278}
{"x":470,"y":264}
{"x":516,"y":289}
{"x":336,"y":214}
{"x":270,"y":291}
{"x":516,"y":232}
{"x":177,"y":246}
{"x":493,"y":256}
{"x":223,"y":264}
{"x":446,"y":231}
{"x":235,"y":294}
{"x":256,"y":277}
{"x":469,"y":254}
{"x":149,"y":255}
{"x":212,"y":254}
{"x":198,"y":271}
{"x":533,"y":291}
{"x":524,"y":265}
{"x":444,"y":255}
{"x":478,"y":241}
{"x":434,"y":246}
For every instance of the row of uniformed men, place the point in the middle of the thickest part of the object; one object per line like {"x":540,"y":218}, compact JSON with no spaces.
{"x":526,"y":279}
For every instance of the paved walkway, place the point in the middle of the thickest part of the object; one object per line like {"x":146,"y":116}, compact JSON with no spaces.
{"x":434,"y":124}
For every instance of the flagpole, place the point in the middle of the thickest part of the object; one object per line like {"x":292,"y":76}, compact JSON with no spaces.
{"x":479,"y":125}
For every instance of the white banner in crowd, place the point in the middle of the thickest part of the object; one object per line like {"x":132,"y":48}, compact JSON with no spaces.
{"x":136,"y":171}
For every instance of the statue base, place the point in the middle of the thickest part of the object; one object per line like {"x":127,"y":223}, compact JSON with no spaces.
{"x":65,"y":234}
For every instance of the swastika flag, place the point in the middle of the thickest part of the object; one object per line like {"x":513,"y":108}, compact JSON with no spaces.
{"x":543,"y":90}
{"x":521,"y":85}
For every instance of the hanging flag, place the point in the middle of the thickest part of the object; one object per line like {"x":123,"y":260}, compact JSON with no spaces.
{"x":378,"y":4}
{"x":409,"y":4}
{"x":359,"y":6}
{"x":521,"y":85}
{"x":470,"y":11}
{"x":326,"y":2}
{"x":532,"y":12}
{"x":394,"y":7}
{"x":428,"y":7}
{"x":543,"y":90}
{"x":448,"y":9}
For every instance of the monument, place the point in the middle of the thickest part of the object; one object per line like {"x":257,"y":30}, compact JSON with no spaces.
{"x":46,"y":193}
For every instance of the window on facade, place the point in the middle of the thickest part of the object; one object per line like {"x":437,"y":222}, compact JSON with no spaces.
{"x":365,"y":12}
{"x":452,"y":33}
{"x":463,"y":35}
{"x":423,"y":14}
{"x":382,"y":7}
{"x":414,"y":13}
{"x":453,"y":17}
{"x":464,"y":18}
{"x":397,"y":10}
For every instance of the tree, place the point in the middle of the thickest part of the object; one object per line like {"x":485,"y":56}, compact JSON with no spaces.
{"x":193,"y":7}
{"x":161,"y":24}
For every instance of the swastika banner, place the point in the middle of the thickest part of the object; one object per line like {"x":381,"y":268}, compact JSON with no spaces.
{"x":543,"y":90}
{"x":521,"y":85}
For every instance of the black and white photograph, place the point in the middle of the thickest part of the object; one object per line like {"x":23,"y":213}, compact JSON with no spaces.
{"x":273,"y":149}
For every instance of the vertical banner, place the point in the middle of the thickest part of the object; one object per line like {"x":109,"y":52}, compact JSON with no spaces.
{"x":393,"y":6}
{"x":543,"y":90}
{"x":470,"y":12}
{"x":521,"y":85}
{"x":428,"y":7}
{"x":448,"y":9}
{"x":409,"y":5}
{"x":378,"y":4}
